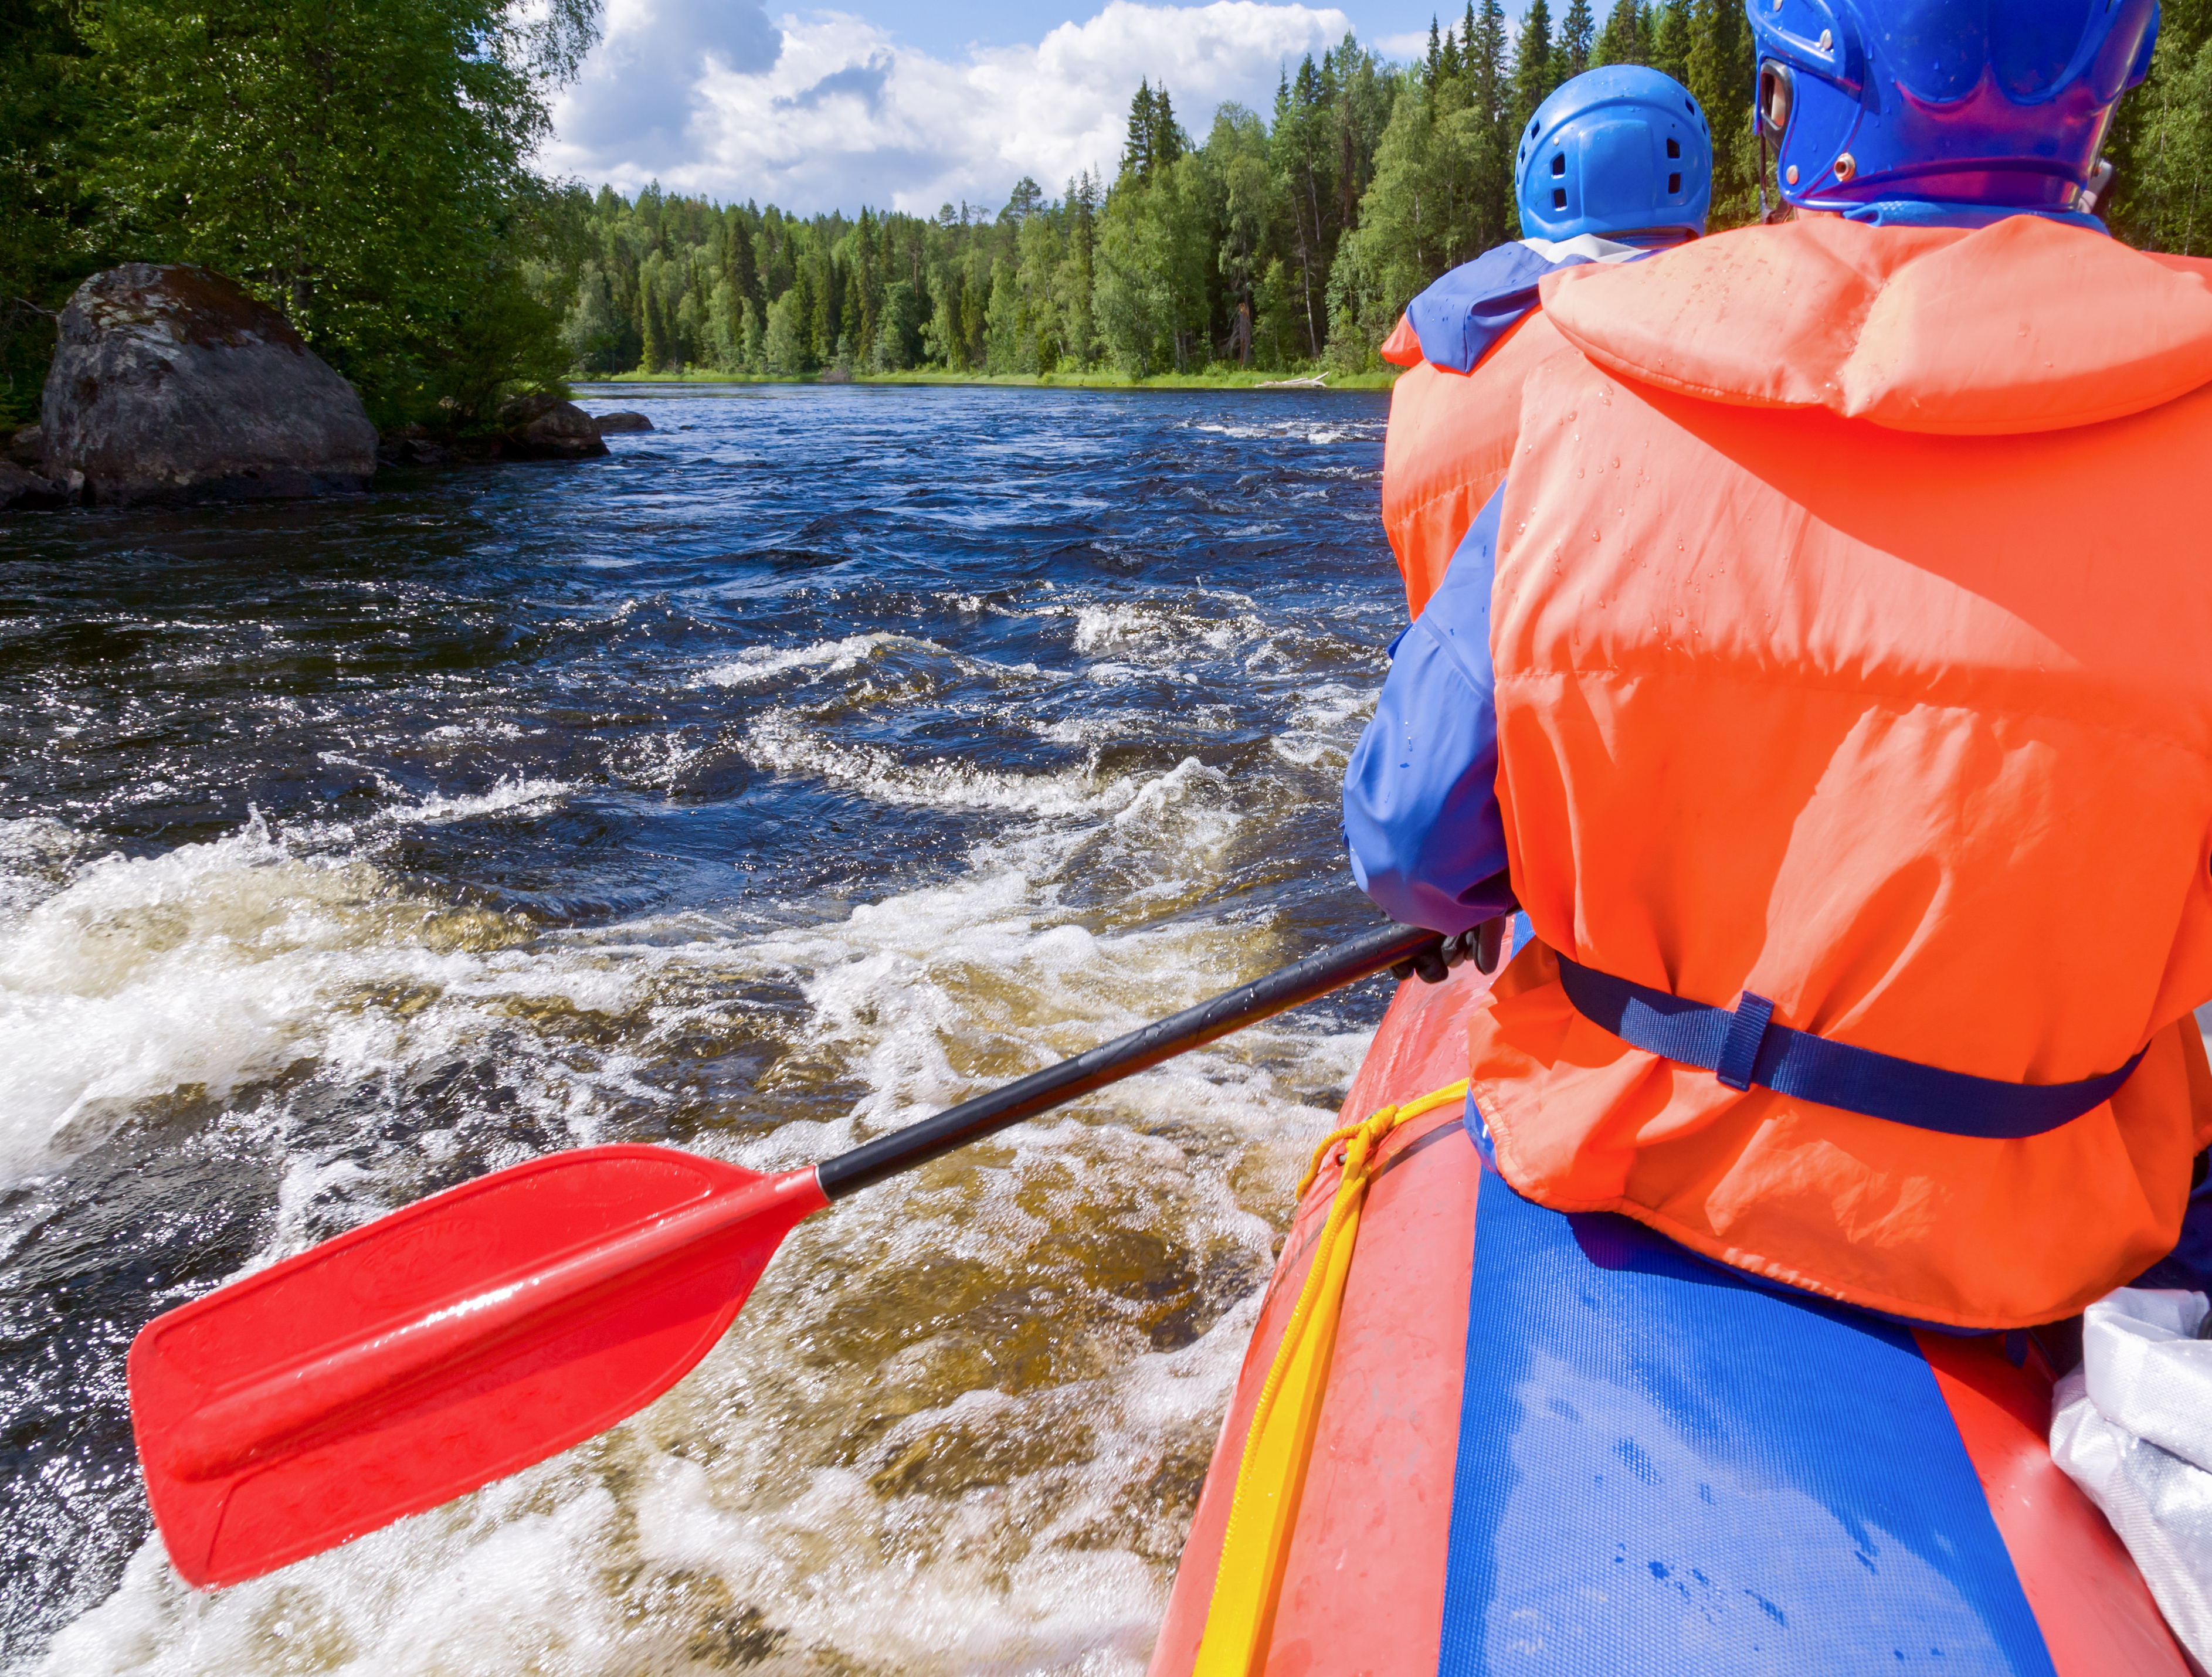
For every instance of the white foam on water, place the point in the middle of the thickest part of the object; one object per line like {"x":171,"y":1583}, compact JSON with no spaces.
{"x":507,"y":796}
{"x":1290,"y":430}
{"x":1136,"y":630}
{"x":222,"y":965}
{"x":476,"y":730}
{"x":782,"y":740}
{"x":1323,"y":726}
{"x":946,"y":1437}
{"x":827,"y":657}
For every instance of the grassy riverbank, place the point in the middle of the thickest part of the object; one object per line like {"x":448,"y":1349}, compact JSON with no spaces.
{"x":1097,"y":379}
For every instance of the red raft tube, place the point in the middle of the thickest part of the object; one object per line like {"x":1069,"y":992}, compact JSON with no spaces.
{"x":1507,"y":1440}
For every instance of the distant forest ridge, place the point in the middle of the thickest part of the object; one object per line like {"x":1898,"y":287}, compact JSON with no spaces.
{"x":1289,"y":242}
{"x":365,"y":166}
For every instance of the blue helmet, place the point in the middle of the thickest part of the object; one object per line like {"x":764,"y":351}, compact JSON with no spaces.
{"x":2002,"y":103}
{"x":1616,"y":151}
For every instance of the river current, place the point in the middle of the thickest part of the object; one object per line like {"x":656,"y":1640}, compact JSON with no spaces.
{"x":825,"y":755}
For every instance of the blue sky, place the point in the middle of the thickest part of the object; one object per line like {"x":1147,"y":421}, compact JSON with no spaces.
{"x":909,"y":107}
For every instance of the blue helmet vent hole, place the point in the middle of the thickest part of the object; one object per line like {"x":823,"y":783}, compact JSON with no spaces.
{"x":1674,"y":147}
{"x":1558,"y":197}
{"x":1559,"y":162}
{"x":1673,"y":183}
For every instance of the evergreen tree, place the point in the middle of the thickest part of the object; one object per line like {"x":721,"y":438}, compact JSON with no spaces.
{"x":1532,"y":76}
{"x":827,"y":324}
{"x":738,"y":263}
{"x":655,"y":355}
{"x":1137,"y":154}
{"x":1491,"y":91}
{"x":1169,"y":142}
{"x":1669,"y":45}
{"x":805,"y":317}
{"x":866,"y":288}
{"x":1626,"y":37}
{"x":1719,"y":73}
{"x":1572,"y":56}
{"x":1364,"y":90}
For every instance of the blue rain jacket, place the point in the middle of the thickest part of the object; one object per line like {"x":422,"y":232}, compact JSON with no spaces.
{"x":1420,"y":796}
{"x":1420,"y":801}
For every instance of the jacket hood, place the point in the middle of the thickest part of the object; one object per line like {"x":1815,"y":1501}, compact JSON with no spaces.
{"x":2027,"y":324}
{"x":1456,"y":321}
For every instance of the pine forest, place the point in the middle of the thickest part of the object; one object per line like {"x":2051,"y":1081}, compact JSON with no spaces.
{"x":1288,"y":240}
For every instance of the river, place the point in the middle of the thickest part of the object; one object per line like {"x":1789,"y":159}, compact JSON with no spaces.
{"x":825,"y":755}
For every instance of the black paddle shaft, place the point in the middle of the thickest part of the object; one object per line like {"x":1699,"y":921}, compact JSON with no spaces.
{"x":1124,"y":1056}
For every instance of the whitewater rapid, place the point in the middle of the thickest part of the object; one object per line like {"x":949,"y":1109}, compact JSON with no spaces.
{"x":825,"y":758}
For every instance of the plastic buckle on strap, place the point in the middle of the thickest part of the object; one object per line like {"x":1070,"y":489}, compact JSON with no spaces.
{"x":1747,"y":1031}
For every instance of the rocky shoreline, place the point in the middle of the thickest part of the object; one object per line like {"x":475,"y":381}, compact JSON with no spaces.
{"x":171,"y":384}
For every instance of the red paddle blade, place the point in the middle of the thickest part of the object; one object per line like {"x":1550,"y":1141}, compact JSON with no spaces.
{"x":441,"y":1347}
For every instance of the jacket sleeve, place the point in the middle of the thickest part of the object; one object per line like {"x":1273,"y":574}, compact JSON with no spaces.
{"x":1420,"y":796}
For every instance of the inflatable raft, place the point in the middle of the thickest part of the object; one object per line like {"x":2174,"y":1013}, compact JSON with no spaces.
{"x":1558,"y":1444}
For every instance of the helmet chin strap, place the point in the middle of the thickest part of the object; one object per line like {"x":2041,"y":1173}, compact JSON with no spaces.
{"x":1765,"y":105}
{"x":1783,"y":210}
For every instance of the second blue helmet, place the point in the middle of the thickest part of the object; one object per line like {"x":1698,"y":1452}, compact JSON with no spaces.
{"x":1622,"y":150}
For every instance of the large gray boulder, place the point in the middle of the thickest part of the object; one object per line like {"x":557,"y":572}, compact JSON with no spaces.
{"x":171,"y":384}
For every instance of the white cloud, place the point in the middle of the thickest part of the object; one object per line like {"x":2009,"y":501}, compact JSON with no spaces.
{"x":828,"y":111}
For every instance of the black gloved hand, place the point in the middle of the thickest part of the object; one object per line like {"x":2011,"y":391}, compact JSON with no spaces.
{"x":1481,"y":943}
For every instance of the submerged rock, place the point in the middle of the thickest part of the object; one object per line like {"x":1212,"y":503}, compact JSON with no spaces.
{"x":606,"y":423}
{"x":411,"y":446}
{"x":24,"y":490}
{"x":541,"y":427}
{"x":171,"y":384}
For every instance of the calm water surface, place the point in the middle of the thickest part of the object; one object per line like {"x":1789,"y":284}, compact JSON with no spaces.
{"x":819,"y":759}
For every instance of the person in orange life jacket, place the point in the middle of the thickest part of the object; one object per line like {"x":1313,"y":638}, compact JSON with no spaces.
{"x":1808,"y":689}
{"x":1616,"y":164}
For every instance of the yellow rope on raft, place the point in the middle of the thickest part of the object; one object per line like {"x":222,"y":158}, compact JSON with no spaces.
{"x":1264,"y":1510}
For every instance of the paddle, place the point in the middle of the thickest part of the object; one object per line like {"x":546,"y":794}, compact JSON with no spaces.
{"x":485,"y":1328}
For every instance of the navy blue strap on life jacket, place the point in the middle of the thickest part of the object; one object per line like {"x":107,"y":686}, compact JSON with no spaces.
{"x":1744,"y":1048}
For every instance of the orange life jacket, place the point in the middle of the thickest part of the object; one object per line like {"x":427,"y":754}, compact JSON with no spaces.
{"x":1449,"y":439}
{"x":1853,"y":640}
